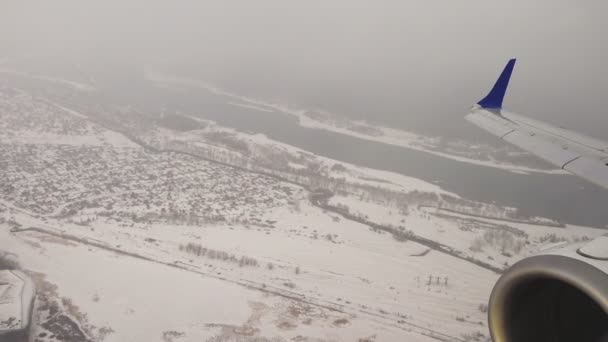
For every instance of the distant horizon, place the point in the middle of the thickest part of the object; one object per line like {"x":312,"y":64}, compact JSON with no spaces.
{"x":411,"y":64}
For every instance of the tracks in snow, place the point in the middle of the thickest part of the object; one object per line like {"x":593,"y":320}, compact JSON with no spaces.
{"x":381,"y":318}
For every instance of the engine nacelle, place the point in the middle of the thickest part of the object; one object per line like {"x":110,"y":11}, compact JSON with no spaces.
{"x":560,"y":295}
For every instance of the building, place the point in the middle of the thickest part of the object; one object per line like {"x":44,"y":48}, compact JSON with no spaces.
{"x":16,"y":305}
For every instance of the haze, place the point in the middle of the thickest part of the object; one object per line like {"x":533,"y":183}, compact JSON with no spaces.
{"x":279,"y":170}
{"x":410,"y":64}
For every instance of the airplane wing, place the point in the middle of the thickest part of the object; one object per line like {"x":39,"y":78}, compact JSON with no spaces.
{"x":578,"y":154}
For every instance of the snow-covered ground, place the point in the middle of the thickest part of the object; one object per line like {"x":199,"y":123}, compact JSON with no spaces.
{"x":124,"y":277}
{"x":121,"y":298}
{"x":319,"y":261}
{"x":261,"y":144}
{"x":494,"y":241}
{"x":133,"y":243}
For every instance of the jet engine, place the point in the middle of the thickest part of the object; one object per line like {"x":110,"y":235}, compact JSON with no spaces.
{"x":558,"y":295}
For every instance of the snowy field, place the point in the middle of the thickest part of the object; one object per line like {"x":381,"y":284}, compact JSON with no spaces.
{"x":191,"y":237}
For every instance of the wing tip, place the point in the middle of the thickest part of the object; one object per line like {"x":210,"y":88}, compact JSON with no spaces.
{"x":495,"y":97}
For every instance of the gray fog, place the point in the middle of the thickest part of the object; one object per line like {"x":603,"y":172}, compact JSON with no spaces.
{"x":136,"y":205}
{"x":410,"y":64}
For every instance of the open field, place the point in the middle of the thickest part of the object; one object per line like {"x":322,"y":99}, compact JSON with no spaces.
{"x":217,"y":235}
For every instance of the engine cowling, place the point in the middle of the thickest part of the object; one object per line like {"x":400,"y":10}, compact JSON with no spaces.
{"x":559,"y":295}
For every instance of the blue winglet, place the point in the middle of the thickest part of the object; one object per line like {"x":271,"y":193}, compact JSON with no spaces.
{"x":494,"y":99}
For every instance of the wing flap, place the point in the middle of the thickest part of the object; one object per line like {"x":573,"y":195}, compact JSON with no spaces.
{"x":559,"y":132}
{"x":593,"y":170}
{"x":555,"y":154}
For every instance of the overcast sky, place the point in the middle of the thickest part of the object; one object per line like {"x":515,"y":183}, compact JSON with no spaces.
{"x":417,"y":64}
